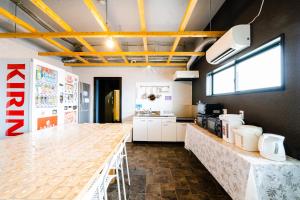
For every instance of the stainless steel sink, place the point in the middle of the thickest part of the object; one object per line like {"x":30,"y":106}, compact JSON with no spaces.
{"x":148,"y":114}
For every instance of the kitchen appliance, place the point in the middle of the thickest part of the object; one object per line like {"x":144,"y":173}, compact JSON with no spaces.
{"x":209,"y":109}
{"x":214,"y":124}
{"x":185,"y":75}
{"x":202,"y":120}
{"x":230,"y":121}
{"x":271,"y":147}
{"x":84,"y":105}
{"x":247,"y":136}
{"x":112,"y":106}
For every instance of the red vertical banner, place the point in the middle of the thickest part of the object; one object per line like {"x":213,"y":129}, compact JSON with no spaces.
{"x":15,"y":99}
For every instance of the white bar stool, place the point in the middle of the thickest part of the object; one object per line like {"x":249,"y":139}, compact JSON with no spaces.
{"x":124,"y":156}
{"x":115,"y":164}
{"x":99,"y":188}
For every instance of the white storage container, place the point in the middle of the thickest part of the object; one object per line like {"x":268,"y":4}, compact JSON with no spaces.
{"x":230,"y":121}
{"x":247,"y":136}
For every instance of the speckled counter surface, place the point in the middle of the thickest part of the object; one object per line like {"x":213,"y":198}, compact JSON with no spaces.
{"x":57,"y":163}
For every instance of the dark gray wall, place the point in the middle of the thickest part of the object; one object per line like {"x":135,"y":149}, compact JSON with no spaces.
{"x":277,"y":112}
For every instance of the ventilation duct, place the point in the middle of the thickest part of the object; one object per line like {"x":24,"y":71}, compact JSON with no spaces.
{"x":203,"y":45}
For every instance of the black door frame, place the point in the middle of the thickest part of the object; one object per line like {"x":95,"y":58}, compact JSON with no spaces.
{"x":120,"y":85}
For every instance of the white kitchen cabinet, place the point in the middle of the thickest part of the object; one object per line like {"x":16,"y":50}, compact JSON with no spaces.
{"x":158,"y":129}
{"x":154,"y":129}
{"x":168,"y":130}
{"x":140,"y":131}
{"x":180,"y":131}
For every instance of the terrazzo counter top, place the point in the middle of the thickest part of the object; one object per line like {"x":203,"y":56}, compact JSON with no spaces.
{"x":57,"y":163}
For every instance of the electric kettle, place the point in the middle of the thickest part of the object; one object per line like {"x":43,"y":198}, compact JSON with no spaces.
{"x":271,"y":147}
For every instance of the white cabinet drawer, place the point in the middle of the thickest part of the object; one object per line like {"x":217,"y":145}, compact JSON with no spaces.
{"x":169,"y":120}
{"x":154,"y":129}
{"x":180,"y":131}
{"x":168,"y":131}
{"x":140,"y":131}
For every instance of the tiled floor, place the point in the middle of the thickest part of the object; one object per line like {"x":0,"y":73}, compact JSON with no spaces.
{"x":168,"y":171}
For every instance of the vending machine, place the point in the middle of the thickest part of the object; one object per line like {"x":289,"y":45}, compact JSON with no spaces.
{"x":54,"y":96}
{"x":71,"y":98}
{"x":35,"y":95}
{"x":44,"y":99}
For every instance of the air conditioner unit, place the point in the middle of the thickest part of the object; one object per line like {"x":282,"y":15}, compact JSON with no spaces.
{"x":185,"y":75}
{"x":232,"y":42}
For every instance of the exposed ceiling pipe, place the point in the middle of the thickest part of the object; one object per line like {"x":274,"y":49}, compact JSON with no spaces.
{"x":132,"y":58}
{"x":20,"y":5}
{"x":204,"y":44}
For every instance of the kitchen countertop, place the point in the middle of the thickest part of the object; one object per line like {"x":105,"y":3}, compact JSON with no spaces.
{"x":57,"y":163}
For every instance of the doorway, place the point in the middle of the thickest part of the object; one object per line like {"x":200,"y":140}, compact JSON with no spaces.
{"x":107,"y":99}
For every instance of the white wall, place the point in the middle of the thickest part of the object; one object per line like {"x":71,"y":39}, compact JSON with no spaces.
{"x":182,"y":91}
{"x":18,"y":48}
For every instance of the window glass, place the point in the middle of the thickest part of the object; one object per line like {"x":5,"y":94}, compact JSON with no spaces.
{"x":208,"y":85}
{"x":223,"y":81}
{"x":260,"y":71}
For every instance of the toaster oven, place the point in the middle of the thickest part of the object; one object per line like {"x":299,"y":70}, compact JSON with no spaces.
{"x":202,"y":120}
{"x":214,"y":125}
{"x":210,"y":109}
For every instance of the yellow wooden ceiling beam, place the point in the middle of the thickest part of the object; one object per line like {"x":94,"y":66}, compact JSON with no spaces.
{"x":126,"y":64}
{"x":143,"y":24}
{"x":30,"y":28}
{"x":56,"y":18}
{"x":122,"y":53}
{"x":141,"y":34}
{"x":183,"y":24}
{"x":91,"y":6}
{"x":17,"y":20}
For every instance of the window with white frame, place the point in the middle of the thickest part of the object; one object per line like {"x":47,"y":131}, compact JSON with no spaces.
{"x":259,"y":70}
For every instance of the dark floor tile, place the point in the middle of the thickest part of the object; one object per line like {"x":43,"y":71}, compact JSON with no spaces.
{"x":181,"y":182}
{"x":150,"y":179}
{"x":167,"y":171}
{"x":151,"y":196}
{"x":168,"y":187}
{"x":162,"y":179}
{"x":162,"y":171}
{"x":194,"y":197}
{"x":153,"y":188}
{"x":168,"y":195}
{"x":137,"y":196}
{"x":182,"y":191}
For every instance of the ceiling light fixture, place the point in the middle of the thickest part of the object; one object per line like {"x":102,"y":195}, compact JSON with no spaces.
{"x":109,"y":41}
{"x":103,"y":2}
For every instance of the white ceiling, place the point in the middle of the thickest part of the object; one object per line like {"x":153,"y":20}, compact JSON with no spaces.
{"x":160,"y":15}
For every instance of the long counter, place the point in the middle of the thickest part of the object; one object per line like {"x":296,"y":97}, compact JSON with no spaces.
{"x":57,"y":163}
{"x":244,"y":175}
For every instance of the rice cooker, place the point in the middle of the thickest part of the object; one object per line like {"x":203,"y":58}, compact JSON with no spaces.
{"x":247,"y":136}
{"x":230,"y":121}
